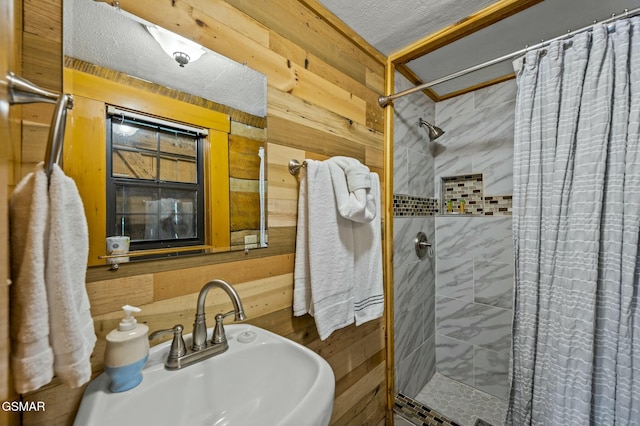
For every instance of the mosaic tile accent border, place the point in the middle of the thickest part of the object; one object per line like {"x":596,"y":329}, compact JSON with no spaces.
{"x":410,"y":206}
{"x":419,"y":414}
{"x":477,"y":204}
{"x":498,"y":205}
{"x":463,"y":194}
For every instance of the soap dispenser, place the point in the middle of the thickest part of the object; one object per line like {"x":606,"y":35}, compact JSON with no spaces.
{"x":126,"y":352}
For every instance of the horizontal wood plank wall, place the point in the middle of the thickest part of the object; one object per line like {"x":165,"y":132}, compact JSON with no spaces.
{"x":322,"y":101}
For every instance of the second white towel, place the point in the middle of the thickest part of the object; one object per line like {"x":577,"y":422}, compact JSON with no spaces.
{"x":324,"y":265}
{"x":338,"y":264}
{"x":51,"y":325}
{"x":72,"y":333}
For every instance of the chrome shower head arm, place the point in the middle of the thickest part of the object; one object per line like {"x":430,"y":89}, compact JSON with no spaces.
{"x":434,"y":132}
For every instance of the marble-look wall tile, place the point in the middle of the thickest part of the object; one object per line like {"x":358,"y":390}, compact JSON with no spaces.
{"x":400,"y":170}
{"x":491,"y":128}
{"x":497,"y":167}
{"x":491,"y":372}
{"x":473,"y":323}
{"x":450,"y":164}
{"x":404,"y":233}
{"x":407,"y":132}
{"x":454,"y":359}
{"x":478,"y":127}
{"x":413,"y":284}
{"x":409,"y":331}
{"x":453,"y":107}
{"x":429,"y":327}
{"x":407,"y":112}
{"x":482,"y":238}
{"x":493,"y":284}
{"x":474,"y":261}
{"x":414,"y":305}
{"x":454,"y":278}
{"x":413,"y":373}
{"x":413,"y":167}
{"x":420,"y":170}
{"x":495,"y":95}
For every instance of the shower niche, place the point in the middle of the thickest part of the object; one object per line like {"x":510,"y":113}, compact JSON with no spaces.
{"x":464,"y":195}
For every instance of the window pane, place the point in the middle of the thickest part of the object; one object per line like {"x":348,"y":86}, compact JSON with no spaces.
{"x":134,"y":151}
{"x":152,"y":214}
{"x":178,"y":143}
{"x":178,"y":170}
{"x":177,"y":213}
{"x":178,"y":153}
{"x":132,"y":211}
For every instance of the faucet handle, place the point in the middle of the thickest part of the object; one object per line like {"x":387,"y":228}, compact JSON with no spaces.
{"x":178,"y":347}
{"x":219,"y":335}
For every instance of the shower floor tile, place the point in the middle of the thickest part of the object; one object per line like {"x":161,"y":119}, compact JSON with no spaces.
{"x":411,"y":412}
{"x":461,"y":402}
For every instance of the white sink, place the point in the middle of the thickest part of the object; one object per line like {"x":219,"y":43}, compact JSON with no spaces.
{"x":268,"y":381}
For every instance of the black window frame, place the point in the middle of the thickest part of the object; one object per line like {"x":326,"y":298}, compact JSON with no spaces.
{"x":112,"y":227}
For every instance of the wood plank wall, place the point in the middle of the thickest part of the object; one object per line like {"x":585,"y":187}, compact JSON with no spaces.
{"x":322,"y":101}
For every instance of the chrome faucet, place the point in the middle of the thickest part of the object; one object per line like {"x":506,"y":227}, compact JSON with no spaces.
{"x":200,"y":325}
{"x":201,"y":349}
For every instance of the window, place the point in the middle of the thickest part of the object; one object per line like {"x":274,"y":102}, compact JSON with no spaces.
{"x":155,"y":175}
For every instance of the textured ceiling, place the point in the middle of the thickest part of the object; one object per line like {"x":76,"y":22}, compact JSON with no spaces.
{"x":394,"y":25}
{"x":390,"y":25}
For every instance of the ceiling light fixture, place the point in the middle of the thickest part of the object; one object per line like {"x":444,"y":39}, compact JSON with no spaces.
{"x":177,"y":47}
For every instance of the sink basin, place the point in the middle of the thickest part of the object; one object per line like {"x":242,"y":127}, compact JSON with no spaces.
{"x":263,"y":379}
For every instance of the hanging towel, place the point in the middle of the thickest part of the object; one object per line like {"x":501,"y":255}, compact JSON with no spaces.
{"x":368,"y":286}
{"x":31,"y":355}
{"x":352,"y":186}
{"x":301,"y":274}
{"x":324,"y":265}
{"x":72,"y":332}
{"x":357,"y":192}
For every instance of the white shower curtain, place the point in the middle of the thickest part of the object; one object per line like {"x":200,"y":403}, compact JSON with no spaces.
{"x":576,"y":330}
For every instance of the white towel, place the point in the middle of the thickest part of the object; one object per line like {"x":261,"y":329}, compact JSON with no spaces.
{"x":72,"y":333}
{"x":352,"y":186}
{"x":357,"y":192}
{"x":324,"y":266}
{"x":301,"y":274}
{"x":31,"y":355}
{"x":368,"y":288}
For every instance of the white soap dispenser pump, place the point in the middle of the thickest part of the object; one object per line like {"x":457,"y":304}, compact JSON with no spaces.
{"x":126,"y":352}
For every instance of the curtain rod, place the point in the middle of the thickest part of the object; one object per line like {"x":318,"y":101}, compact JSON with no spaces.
{"x":383,"y":101}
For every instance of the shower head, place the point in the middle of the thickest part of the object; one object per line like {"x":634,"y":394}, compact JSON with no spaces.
{"x":434,"y":132}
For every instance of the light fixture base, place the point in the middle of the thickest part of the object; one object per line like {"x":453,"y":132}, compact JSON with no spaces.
{"x":181,"y":58}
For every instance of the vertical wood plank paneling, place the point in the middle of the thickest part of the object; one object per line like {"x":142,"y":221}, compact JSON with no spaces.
{"x":322,"y":101}
{"x":218,"y":189}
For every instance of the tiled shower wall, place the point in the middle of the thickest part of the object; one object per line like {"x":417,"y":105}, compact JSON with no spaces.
{"x":414,"y":279}
{"x":474,"y":262}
